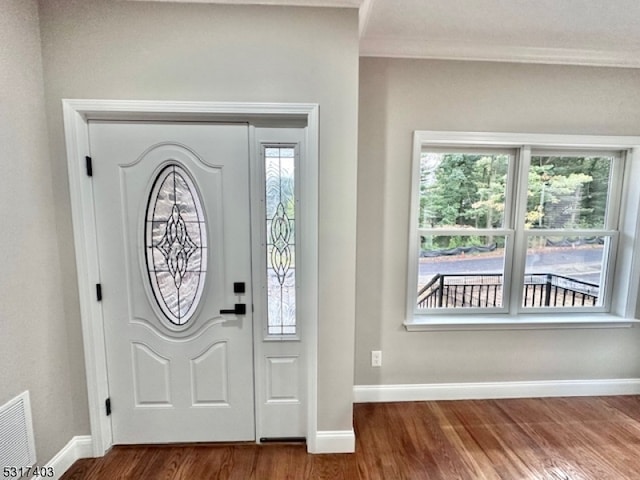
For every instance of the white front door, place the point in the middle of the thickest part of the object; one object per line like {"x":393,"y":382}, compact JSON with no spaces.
{"x":172,"y":217}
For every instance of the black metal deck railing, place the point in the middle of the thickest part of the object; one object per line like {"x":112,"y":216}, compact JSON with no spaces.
{"x":485,"y":290}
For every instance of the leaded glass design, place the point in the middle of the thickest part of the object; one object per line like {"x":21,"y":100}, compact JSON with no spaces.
{"x":176,"y":244}
{"x":280,"y":223}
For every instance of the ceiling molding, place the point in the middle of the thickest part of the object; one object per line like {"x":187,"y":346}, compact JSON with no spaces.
{"x":414,"y":48}
{"x":365,"y":15}
{"x":286,"y":3}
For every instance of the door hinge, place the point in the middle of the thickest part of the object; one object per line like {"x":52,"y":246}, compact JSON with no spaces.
{"x":89,"y":166}
{"x":107,"y":406}
{"x":99,"y":291}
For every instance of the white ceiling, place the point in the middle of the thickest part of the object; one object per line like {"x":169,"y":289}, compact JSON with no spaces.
{"x":584,"y":32}
{"x":578,"y":32}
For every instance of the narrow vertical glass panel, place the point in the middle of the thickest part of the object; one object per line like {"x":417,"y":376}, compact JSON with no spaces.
{"x":176,"y":244}
{"x":461,"y":271}
{"x":463,"y":189}
{"x":568,"y":191}
{"x":564,"y":271}
{"x":280,"y":228}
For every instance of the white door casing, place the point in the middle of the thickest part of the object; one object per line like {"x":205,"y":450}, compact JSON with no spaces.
{"x":173,"y":382}
{"x":77,"y":114}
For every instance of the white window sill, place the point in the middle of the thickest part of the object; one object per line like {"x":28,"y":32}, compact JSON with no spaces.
{"x":516,"y":322}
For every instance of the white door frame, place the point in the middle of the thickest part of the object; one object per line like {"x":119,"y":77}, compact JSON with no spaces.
{"x":77,"y":114}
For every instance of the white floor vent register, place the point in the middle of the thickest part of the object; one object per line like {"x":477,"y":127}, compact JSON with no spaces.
{"x":17,"y":447}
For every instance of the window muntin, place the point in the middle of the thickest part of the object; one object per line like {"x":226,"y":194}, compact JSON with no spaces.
{"x":583,"y":204}
{"x":280,"y":210}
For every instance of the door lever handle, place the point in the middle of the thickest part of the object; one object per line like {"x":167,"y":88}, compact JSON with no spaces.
{"x":239,"y":309}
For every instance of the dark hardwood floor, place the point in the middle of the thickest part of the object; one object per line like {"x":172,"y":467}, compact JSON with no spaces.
{"x":556,"y":438}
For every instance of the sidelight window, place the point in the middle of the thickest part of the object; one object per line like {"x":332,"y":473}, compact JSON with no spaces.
{"x":280,"y":209}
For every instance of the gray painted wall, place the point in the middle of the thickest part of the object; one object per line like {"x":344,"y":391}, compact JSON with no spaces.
{"x":400,"y":96}
{"x":35,"y":337}
{"x":163,"y":51}
{"x":130,"y":50}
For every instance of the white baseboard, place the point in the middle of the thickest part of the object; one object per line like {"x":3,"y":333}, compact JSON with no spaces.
{"x":333,"y":441}
{"x":490,"y":390}
{"x":329,"y":441}
{"x":77,"y":448}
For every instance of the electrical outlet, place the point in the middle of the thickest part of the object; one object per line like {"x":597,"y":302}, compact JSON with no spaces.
{"x":376,"y":358}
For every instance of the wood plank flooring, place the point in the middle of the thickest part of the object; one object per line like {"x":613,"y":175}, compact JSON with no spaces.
{"x":556,"y":438}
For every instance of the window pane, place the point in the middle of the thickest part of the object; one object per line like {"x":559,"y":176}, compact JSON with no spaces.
{"x":564,"y":271}
{"x":176,"y":244}
{"x":280,"y":225}
{"x":462,"y":189}
{"x":460,"y":271}
{"x":568,"y":191}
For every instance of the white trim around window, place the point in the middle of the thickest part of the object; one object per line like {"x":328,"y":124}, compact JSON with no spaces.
{"x":621,"y":259}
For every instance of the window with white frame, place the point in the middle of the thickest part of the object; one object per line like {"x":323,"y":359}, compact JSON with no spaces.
{"x":502,"y":225}
{"x":280,"y":226}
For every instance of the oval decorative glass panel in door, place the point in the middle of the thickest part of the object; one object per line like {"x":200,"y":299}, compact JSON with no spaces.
{"x":176,"y":244}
